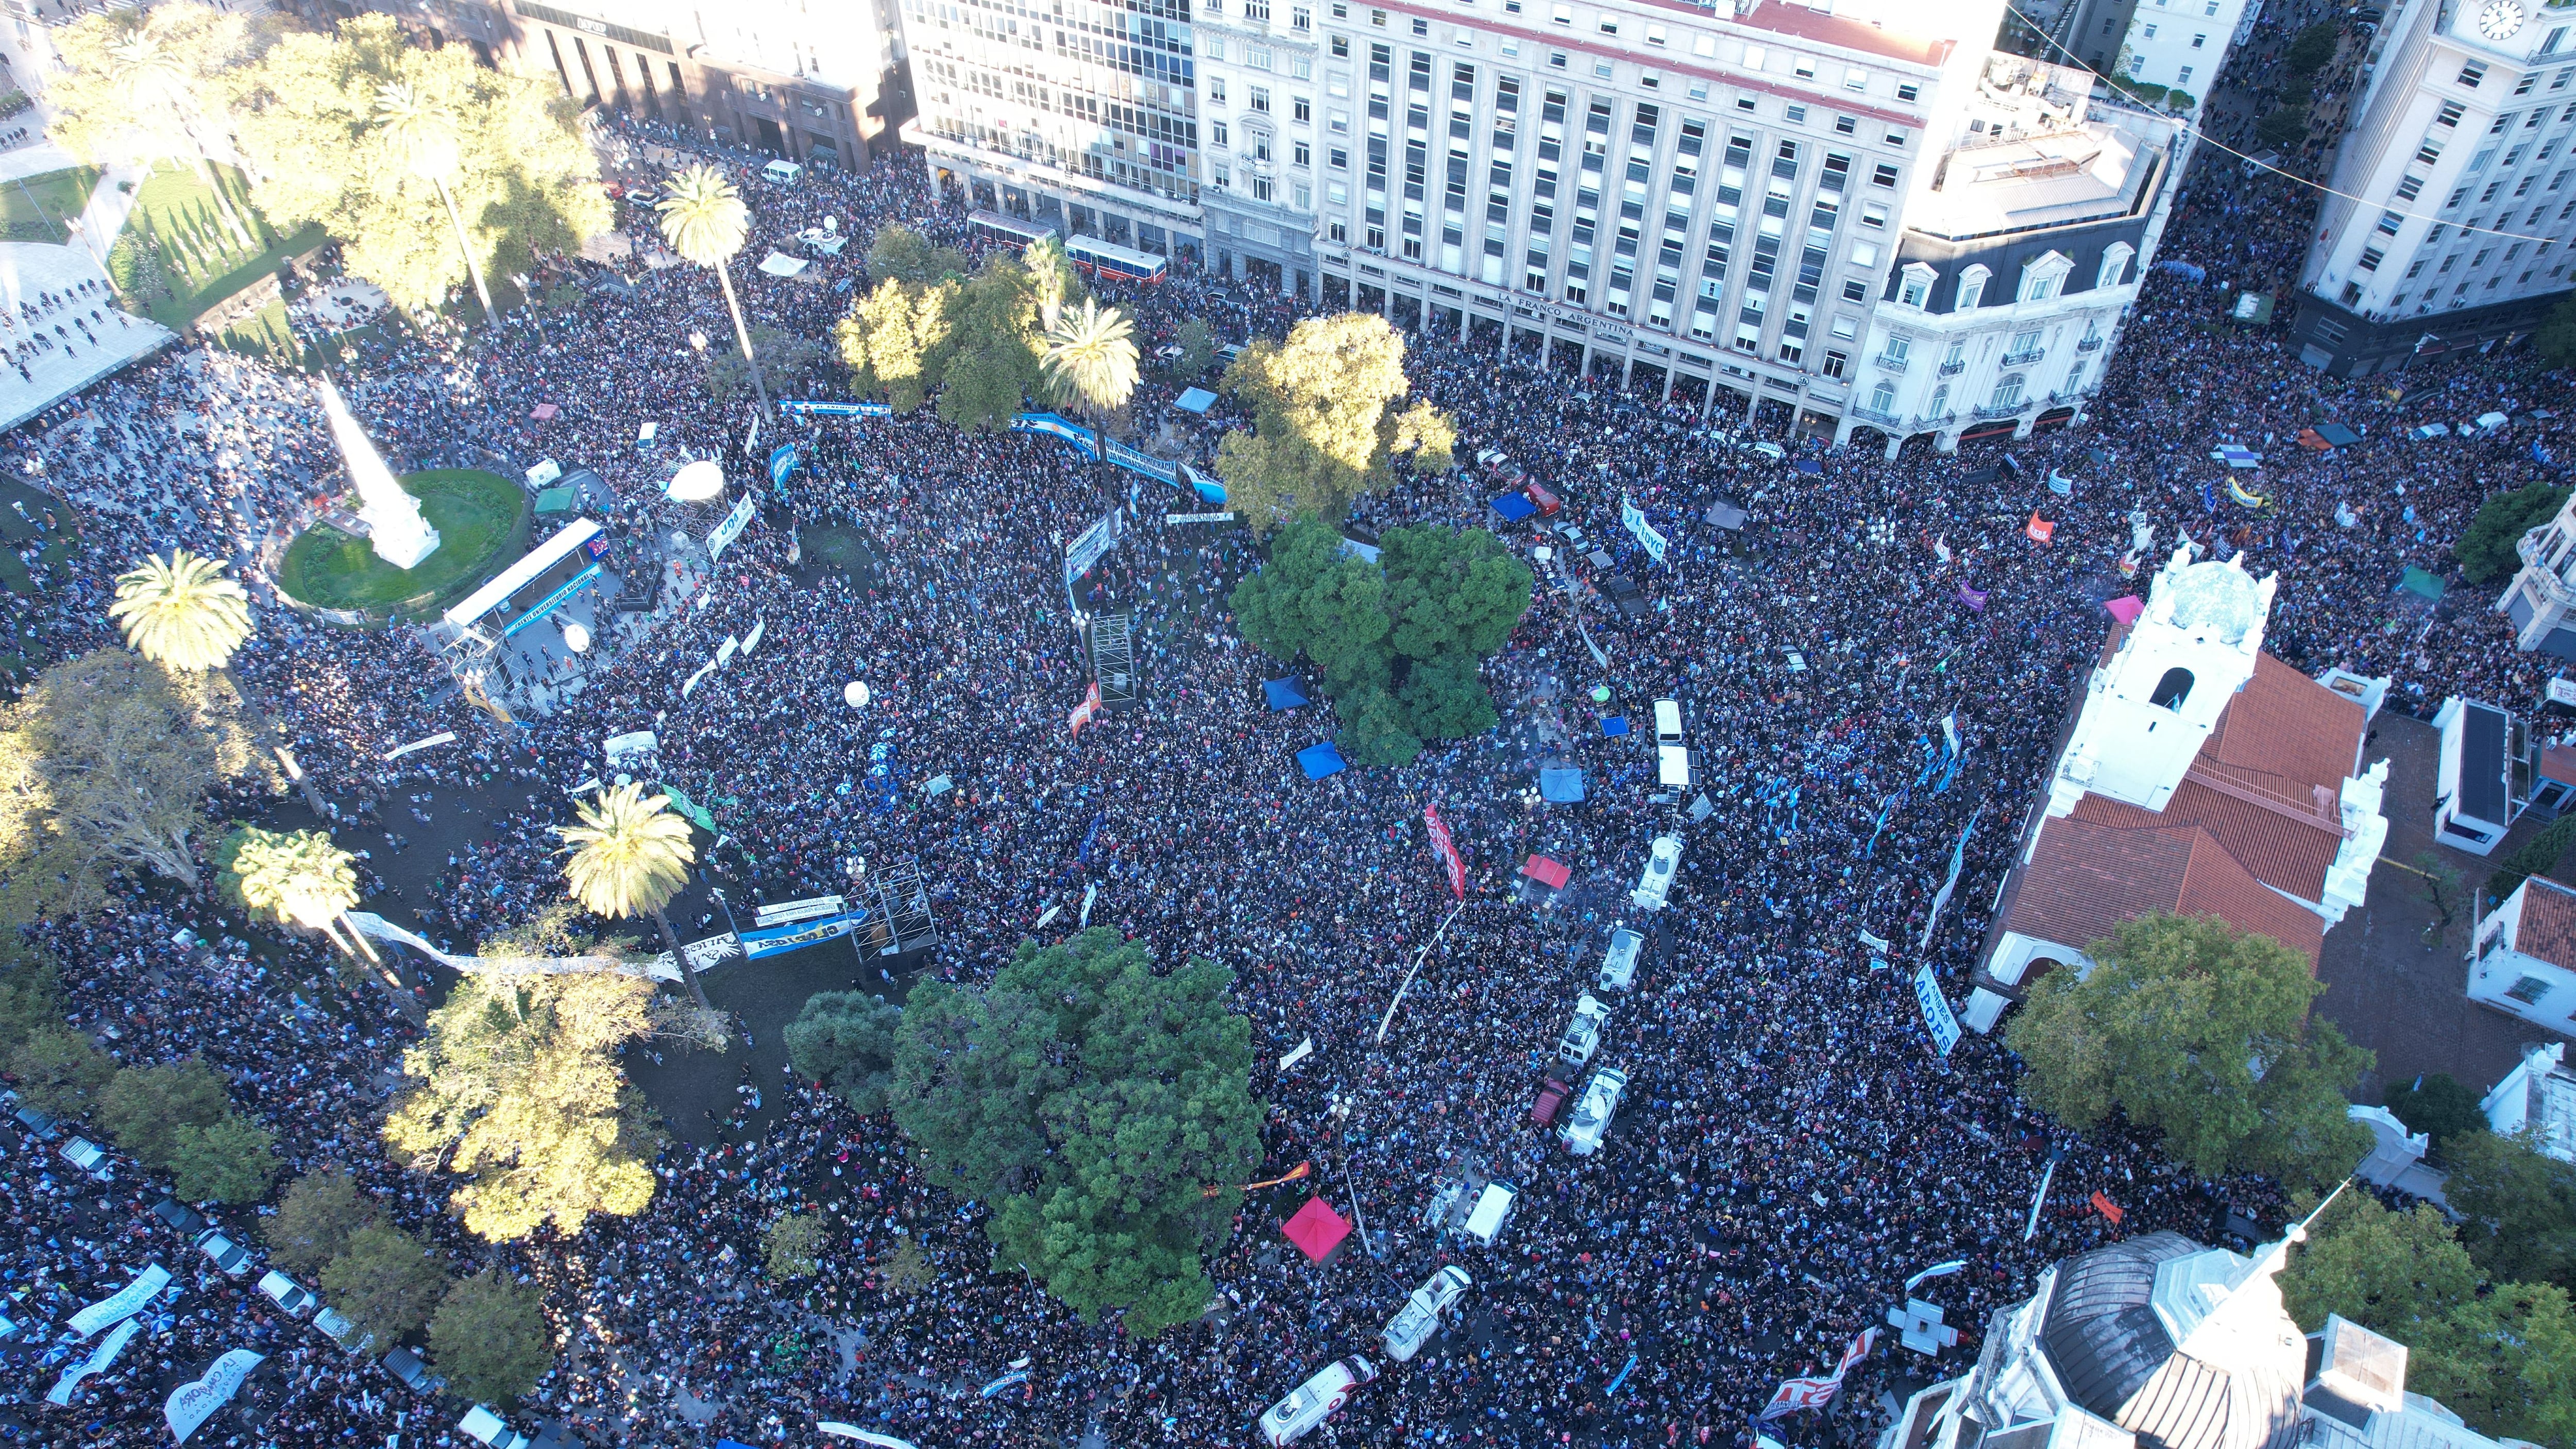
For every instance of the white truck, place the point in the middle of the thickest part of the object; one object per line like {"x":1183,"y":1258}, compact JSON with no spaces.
{"x":1493,"y":1207}
{"x":1584,"y":1032}
{"x":1672,"y":751}
{"x":1593,"y":1110}
{"x":1619,"y":963}
{"x":1663,"y":862}
{"x":490,"y":1429}
{"x":1314,"y":1401}
{"x":1411,"y":1327}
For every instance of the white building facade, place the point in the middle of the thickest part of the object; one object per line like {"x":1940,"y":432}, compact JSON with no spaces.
{"x":2542,"y":597}
{"x":1082,"y":115}
{"x":2459,"y":158}
{"x":1258,"y":96}
{"x":2176,"y":44}
{"x":2524,"y":961}
{"x":2020,"y":257}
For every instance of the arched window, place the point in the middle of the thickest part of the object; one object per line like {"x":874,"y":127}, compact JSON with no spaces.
{"x":1882,"y":398}
{"x":2008,"y":392}
{"x":1940,"y":402}
{"x":2173,"y":689}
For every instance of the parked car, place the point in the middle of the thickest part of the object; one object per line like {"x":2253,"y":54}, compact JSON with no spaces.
{"x":286,"y":1293}
{"x":408,"y":1370}
{"x":1548,"y":504}
{"x":1592,"y":1113}
{"x":227,"y":1255}
{"x":1619,"y":963}
{"x":1411,"y":1327}
{"x":1309,"y":1404}
{"x":341,"y":1331}
{"x":84,"y":1154}
{"x":1493,"y":1208}
{"x":179,"y":1215}
{"x":1551,"y":1096}
{"x":38,"y":1123}
{"x":1625,"y":596}
{"x":1663,"y":861}
{"x":488,"y":1428}
{"x":1584,"y":1032}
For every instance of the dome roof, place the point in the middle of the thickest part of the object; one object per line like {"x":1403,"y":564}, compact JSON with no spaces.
{"x":2116,"y":1356}
{"x":2213,"y":598}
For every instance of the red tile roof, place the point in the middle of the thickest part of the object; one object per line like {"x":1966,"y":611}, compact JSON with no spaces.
{"x":2548,"y":926}
{"x":2558,"y":762}
{"x":2289,"y":725}
{"x":2271,"y":846}
{"x":2086,"y":877}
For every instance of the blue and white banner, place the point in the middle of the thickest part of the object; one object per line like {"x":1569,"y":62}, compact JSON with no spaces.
{"x":1937,"y":1270}
{"x":1958,"y":862}
{"x":97,"y":1362}
{"x":1015,"y":1376}
{"x":779,"y":940}
{"x":835,"y":410}
{"x":120,"y":1305}
{"x":782,"y":461}
{"x":193,"y":1403}
{"x":1210,"y":490}
{"x":732,"y":527}
{"x":1092,"y":545}
{"x":1937,"y":1017}
{"x":1635,"y":518}
{"x":1054,"y":426}
{"x":1146,"y":463}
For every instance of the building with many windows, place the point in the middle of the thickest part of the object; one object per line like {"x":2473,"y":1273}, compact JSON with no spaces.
{"x":2451,"y":214}
{"x":1257,"y":93}
{"x":807,"y":80}
{"x":1081,"y":114}
{"x":2021,"y":252}
{"x":2177,"y":45}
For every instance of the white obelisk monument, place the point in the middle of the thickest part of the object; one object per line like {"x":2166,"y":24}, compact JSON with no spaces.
{"x":400,"y":535}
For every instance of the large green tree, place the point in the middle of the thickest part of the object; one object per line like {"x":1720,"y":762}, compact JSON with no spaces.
{"x":2390,"y":1272}
{"x":846,"y":1041}
{"x":2505,"y":1362}
{"x":142,"y":85}
{"x":384,"y":1280}
{"x":490,"y":1339}
{"x":2517,"y":1207}
{"x":2437,"y":1106}
{"x":2200,"y":1034}
{"x":316,"y":1216}
{"x":503,"y":148}
{"x":230,"y":1160}
{"x":895,"y":340}
{"x":2486,"y":548}
{"x":1326,"y":428}
{"x":144,"y":1108}
{"x":1094,"y":1103}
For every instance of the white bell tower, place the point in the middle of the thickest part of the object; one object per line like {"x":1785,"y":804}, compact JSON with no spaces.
{"x":2152,"y":704}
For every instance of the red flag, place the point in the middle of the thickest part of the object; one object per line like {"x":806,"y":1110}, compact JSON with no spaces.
{"x":2040,"y":529}
{"x":1083,"y":712}
{"x":1447,"y":849}
{"x":2107,"y":1208}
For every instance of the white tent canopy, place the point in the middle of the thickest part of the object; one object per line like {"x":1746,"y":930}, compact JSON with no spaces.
{"x":779,"y":264}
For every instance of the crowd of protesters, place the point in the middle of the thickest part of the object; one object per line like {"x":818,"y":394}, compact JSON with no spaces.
{"x":1791,"y":1149}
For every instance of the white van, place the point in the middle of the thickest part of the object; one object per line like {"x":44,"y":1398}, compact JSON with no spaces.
{"x":1584,"y":1032}
{"x":1314,"y":1401}
{"x":1411,"y":1327}
{"x":1493,"y":1206}
{"x":1668,"y":722}
{"x":1672,"y":766}
{"x":1619,"y":963}
{"x":1662,"y":863}
{"x":485,"y":1427}
{"x":1592,"y":1113}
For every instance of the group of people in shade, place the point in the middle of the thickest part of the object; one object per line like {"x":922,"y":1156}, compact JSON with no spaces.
{"x":1791,"y":1149}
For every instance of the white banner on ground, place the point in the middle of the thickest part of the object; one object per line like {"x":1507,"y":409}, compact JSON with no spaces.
{"x":691,"y":685}
{"x":377,"y":927}
{"x":97,"y":1362}
{"x":120,"y":1305}
{"x":1303,"y":1050}
{"x":191,"y":1404}
{"x":1635,"y":518}
{"x":1937,"y":1270}
{"x":751,"y":641}
{"x":1091,"y":546}
{"x":703,"y":956}
{"x":727,"y":650}
{"x":443,"y":737}
{"x":1937,"y":1016}
{"x":853,"y":1431}
{"x":805,"y":910}
{"x":633,"y":745}
{"x":732,"y":527}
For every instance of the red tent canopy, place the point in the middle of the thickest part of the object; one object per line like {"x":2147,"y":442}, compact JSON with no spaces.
{"x":1316,"y":1229}
{"x":1547,"y":872}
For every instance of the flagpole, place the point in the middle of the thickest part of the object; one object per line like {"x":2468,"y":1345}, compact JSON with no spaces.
{"x":1418,"y":957}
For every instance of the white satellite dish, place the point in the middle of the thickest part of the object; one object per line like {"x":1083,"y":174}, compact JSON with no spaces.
{"x":855,"y":694}
{"x":576,"y":638}
{"x":696,"y":482}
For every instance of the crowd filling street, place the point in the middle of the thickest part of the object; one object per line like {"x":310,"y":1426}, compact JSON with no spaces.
{"x":1791,"y":1149}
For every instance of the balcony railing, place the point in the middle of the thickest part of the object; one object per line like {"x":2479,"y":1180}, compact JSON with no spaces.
{"x":1953,"y":369}
{"x":2024,"y":359}
{"x":2006,"y":410}
{"x":1875,"y":416}
{"x":2090,"y":344}
{"x":1891,"y":364}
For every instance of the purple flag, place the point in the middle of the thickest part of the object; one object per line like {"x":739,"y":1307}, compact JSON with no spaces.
{"x":1972,"y":598}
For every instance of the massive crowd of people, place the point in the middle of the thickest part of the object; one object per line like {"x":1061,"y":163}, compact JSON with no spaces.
{"x":1791,"y":1149}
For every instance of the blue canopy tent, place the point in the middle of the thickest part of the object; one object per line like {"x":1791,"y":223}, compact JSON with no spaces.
{"x":1514,"y":506}
{"x":1808,"y":465}
{"x":1559,"y":786}
{"x":1285,"y":694}
{"x":1320,"y":760}
{"x":1196,"y":400}
{"x":1614,"y":726}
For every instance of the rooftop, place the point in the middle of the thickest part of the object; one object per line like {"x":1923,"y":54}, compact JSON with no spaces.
{"x":2035,"y":155}
{"x":2091,"y":874}
{"x":2547,"y":930}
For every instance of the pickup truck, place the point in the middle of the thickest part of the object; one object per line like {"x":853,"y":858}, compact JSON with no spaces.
{"x":1411,"y":1327}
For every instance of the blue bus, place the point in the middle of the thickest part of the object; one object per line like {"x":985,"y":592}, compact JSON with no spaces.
{"x":1107,"y":260}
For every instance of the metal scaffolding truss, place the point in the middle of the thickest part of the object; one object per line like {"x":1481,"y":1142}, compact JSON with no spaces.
{"x":902,"y":920}
{"x":1113,"y":659}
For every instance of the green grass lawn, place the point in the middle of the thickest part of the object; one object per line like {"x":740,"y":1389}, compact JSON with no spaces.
{"x":481,"y":518}
{"x":37,"y":208}
{"x":176,"y":259}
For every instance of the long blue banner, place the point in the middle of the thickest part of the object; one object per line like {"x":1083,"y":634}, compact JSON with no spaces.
{"x":1049,"y":423}
{"x":778,"y":940}
{"x":836,"y":409}
{"x":551,"y":602}
{"x":1145,"y":463}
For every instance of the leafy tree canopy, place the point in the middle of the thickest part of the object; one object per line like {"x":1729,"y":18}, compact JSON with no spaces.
{"x":2517,"y":1207}
{"x":793,"y":1246}
{"x":898,"y":253}
{"x":846,"y":1041}
{"x":490,"y":1339}
{"x":2389,"y":1272}
{"x":315,"y":1218}
{"x":2438,"y":1106}
{"x":143,"y":1108}
{"x":2486,"y":547}
{"x":384,"y":1280}
{"x":1091,"y":1101}
{"x":229,"y":1160}
{"x":2503,"y":1363}
{"x":526,"y":181}
{"x":517,"y":1089}
{"x":1325,"y":426}
{"x":2201,"y":1035}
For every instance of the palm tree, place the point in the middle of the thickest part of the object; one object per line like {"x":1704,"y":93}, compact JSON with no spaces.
{"x":704,"y":220}
{"x":305,"y":879}
{"x":1093,"y":352}
{"x":629,"y":857}
{"x":422,"y":135}
{"x":184,"y":615}
{"x":161,"y":82}
{"x":1052,"y":277}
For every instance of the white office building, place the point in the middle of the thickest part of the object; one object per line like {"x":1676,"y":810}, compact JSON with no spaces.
{"x":2020,"y":255}
{"x":2178,"y":45}
{"x":1076,"y":114}
{"x":1259,"y":129}
{"x":2451,"y":227}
